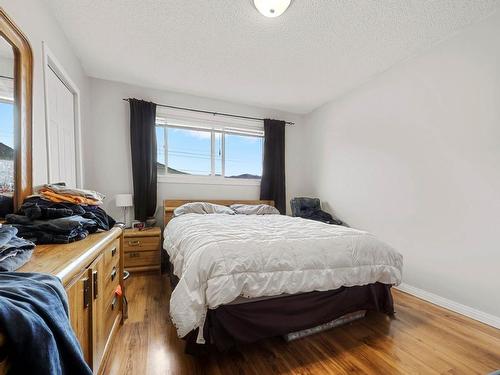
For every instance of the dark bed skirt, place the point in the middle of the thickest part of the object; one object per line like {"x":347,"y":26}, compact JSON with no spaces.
{"x":229,"y":325}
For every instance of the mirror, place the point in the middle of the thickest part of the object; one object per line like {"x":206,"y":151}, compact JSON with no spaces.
{"x":7,"y":182}
{"x":16,"y":72}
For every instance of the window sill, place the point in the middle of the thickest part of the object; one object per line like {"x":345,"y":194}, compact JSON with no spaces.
{"x":207,"y":180}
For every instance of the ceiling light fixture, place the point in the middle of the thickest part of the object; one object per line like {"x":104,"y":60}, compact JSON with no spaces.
{"x":272,"y":8}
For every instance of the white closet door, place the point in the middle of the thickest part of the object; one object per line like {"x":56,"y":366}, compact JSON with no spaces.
{"x":61,"y":131}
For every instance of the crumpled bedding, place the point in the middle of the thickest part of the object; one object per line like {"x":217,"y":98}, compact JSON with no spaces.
{"x":220,"y":257}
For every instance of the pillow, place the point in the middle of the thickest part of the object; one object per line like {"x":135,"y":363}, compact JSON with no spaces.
{"x":202,"y":208}
{"x":254,"y":209}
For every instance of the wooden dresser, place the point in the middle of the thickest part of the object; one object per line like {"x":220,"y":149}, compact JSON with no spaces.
{"x":91,"y":271}
{"x":142,"y":249}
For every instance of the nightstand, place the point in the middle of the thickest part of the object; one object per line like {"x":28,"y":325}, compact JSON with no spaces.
{"x":142,"y":249}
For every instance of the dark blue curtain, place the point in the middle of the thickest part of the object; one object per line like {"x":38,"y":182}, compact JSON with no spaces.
{"x":272,"y":185}
{"x":143,"y":147}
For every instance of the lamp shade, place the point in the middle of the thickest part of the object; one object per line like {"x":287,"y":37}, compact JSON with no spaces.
{"x":272,"y":8}
{"x":124,"y":200}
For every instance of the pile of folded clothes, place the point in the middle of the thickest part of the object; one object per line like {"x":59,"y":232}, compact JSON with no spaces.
{"x":59,"y":193}
{"x":60,"y":215}
{"x":14,"y":251}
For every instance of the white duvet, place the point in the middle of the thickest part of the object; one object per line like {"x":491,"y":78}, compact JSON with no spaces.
{"x":220,"y":257}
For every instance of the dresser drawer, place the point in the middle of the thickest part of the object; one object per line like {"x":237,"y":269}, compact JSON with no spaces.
{"x":111,"y":281}
{"x":111,"y":312}
{"x":141,"y":243}
{"x":142,"y":258}
{"x":111,"y":270}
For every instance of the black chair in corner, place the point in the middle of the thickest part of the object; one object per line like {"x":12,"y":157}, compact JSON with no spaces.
{"x":301,"y":204}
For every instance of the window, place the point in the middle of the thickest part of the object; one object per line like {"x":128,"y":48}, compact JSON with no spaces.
{"x":241,"y":153}
{"x":201,"y":146}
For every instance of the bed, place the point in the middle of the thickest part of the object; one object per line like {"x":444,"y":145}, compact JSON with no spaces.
{"x":242,"y":278}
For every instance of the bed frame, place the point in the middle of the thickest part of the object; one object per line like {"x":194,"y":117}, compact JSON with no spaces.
{"x":169,"y":205}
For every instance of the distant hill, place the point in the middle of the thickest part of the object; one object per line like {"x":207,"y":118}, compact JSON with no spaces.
{"x":6,"y":152}
{"x":161,"y":169}
{"x":246,"y":176}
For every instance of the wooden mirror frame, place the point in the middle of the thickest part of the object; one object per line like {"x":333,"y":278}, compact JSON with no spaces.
{"x":23,"y":108}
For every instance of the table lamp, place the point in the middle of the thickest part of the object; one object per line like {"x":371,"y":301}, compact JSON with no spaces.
{"x":125,"y":201}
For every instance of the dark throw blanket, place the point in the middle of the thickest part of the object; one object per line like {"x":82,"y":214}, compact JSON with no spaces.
{"x":34,"y":317}
{"x":319,"y":215}
{"x":310,"y":208}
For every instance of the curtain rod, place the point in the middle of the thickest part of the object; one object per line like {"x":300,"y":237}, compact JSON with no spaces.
{"x":216,"y":113}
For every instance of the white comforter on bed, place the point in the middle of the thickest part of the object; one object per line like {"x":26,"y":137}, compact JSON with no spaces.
{"x":220,"y":257}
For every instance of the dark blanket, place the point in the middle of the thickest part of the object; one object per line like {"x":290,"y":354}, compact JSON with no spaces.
{"x":34,"y":317}
{"x":319,"y":215}
{"x":310,"y":208}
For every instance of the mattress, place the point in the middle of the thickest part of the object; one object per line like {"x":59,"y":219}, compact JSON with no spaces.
{"x":219,"y":258}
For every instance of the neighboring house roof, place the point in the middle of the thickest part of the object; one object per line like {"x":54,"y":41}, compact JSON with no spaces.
{"x":6,"y":152}
{"x":170,"y":170}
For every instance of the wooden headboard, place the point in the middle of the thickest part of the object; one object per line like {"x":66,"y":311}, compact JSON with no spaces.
{"x":169,"y":205}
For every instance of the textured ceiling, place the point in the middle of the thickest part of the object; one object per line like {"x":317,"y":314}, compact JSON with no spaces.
{"x":316,"y":51}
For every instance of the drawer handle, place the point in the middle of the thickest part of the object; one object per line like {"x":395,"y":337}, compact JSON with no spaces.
{"x":96,"y":284}
{"x":134,"y":255}
{"x":134,"y":243}
{"x":86,"y":293}
{"x":113,"y":303}
{"x":113,"y":274}
{"x":113,"y":251}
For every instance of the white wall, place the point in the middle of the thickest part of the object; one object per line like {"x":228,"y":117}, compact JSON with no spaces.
{"x":107,"y":144}
{"x":414,"y":157}
{"x":37,"y":23}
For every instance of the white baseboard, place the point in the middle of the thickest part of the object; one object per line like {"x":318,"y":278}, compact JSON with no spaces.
{"x":470,"y":312}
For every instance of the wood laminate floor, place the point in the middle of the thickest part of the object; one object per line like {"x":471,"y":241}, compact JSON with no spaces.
{"x":421,"y":339}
